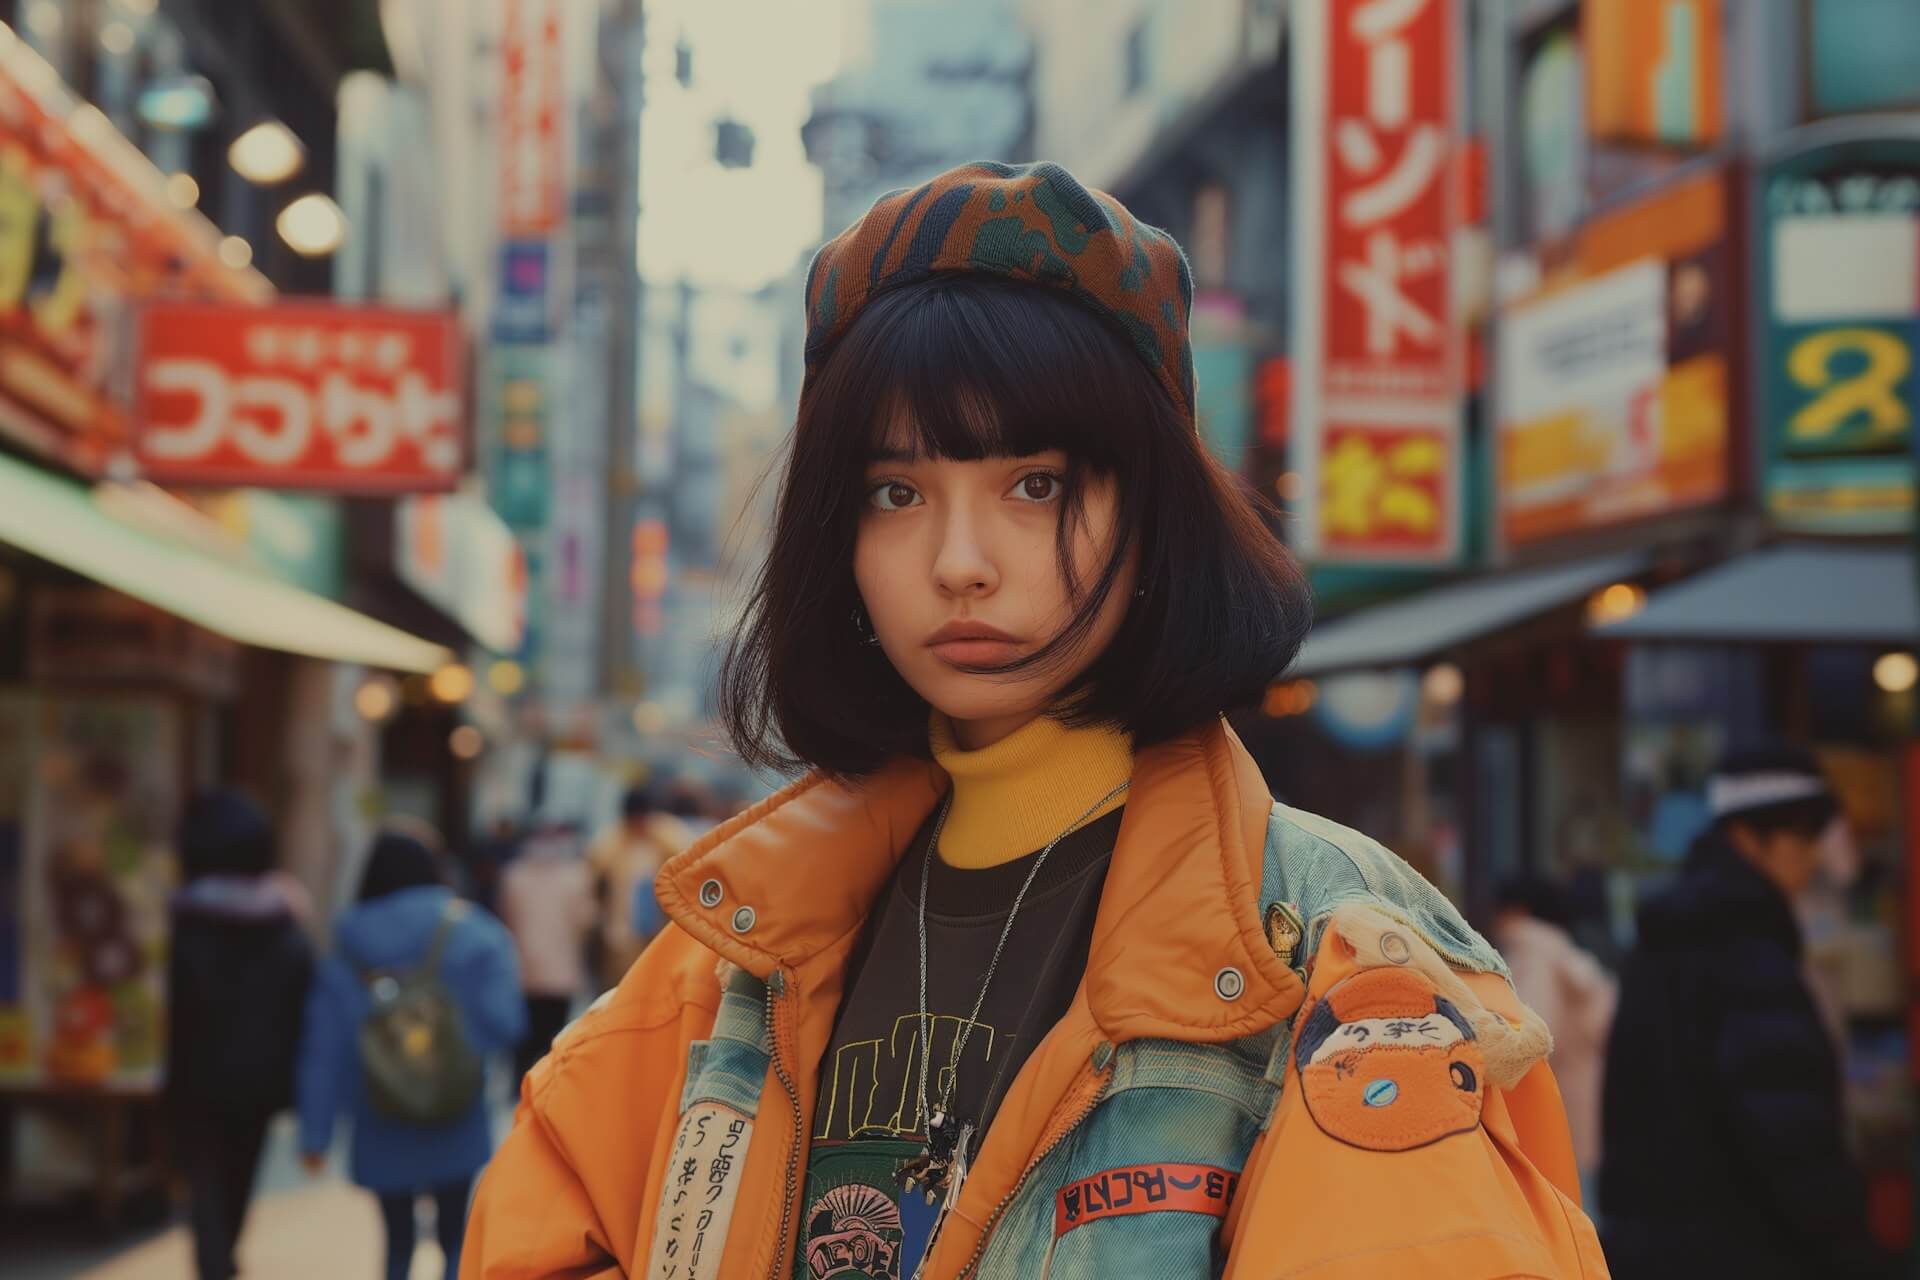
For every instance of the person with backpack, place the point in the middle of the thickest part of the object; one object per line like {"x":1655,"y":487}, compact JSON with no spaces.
{"x":419,"y":989}
{"x":238,"y":973}
{"x":1029,"y":975}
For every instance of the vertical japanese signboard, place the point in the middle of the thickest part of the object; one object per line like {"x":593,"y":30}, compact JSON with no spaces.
{"x":1838,"y":260}
{"x":533,"y":156}
{"x":1378,"y":355}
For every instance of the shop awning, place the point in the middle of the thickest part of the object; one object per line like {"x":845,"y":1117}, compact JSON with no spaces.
{"x":1418,"y":627}
{"x":59,"y":520}
{"x":1820,"y":594}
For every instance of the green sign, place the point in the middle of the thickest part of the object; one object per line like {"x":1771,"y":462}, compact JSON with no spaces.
{"x":298,"y":536}
{"x":520,"y":421}
{"x":1838,"y":271}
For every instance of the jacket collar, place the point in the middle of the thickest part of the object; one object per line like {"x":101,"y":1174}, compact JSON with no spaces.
{"x":779,"y":885}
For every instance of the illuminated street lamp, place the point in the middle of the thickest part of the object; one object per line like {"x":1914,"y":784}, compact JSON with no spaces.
{"x":1896,"y":672}
{"x":236,"y":253}
{"x":267,"y":153}
{"x":451,"y":684}
{"x":375,"y":699}
{"x":183,"y":190}
{"x":313,"y":226}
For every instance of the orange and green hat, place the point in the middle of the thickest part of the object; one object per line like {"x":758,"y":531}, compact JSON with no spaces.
{"x":1033,"y":223}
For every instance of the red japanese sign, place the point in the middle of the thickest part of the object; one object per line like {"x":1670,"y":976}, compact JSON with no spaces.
{"x":1380,"y":206}
{"x":301,"y":396}
{"x":532,"y":157}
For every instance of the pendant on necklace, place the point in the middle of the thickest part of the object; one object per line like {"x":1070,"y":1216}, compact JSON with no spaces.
{"x":933,"y":1170}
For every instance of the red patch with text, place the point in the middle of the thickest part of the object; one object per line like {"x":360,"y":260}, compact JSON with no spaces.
{"x":1144,"y":1188}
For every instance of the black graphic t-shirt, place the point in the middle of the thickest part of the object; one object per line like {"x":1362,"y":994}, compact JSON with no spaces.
{"x":856,"y":1221}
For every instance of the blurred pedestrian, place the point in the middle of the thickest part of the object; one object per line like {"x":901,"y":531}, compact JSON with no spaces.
{"x":1725,"y":1146}
{"x":1572,"y":993}
{"x":487,"y":860}
{"x":699,"y":808}
{"x":409,"y":949}
{"x":624,"y":860}
{"x":546,"y":899}
{"x":239,"y":971}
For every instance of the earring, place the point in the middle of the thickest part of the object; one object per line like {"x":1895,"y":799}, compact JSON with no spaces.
{"x":863,"y":627}
{"x":1141,"y":594}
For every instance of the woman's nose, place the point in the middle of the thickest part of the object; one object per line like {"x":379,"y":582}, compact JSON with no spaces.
{"x":962,"y":565}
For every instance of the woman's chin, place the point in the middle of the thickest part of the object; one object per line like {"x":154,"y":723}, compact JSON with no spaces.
{"x":967,"y":699}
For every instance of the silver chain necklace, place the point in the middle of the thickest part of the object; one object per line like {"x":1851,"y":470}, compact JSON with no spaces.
{"x":942,"y":1163}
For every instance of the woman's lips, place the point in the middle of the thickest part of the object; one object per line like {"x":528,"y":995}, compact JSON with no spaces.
{"x":973,"y":644}
{"x":976,"y":653}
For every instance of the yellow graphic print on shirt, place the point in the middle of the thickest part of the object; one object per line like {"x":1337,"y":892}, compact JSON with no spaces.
{"x":872,"y":1087}
{"x":858,"y":1225}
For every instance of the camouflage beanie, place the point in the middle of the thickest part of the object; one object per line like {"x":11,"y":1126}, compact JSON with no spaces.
{"x":1034,"y":223}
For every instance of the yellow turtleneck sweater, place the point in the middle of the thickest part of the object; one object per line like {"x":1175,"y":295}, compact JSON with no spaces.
{"x":1016,"y":796}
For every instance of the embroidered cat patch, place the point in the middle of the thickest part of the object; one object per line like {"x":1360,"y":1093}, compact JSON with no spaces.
{"x":1388,"y":1064}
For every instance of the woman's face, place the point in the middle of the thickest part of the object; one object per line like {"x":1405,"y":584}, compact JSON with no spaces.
{"x":958,"y":565}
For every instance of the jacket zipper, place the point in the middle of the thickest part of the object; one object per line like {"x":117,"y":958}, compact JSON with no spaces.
{"x":777,"y":990}
{"x":993,"y":1219}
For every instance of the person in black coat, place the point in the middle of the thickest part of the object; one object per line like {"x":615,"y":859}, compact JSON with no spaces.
{"x":237,"y":982}
{"x":1724,"y":1148}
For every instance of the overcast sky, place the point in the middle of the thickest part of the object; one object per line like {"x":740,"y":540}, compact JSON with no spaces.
{"x":756,"y":61}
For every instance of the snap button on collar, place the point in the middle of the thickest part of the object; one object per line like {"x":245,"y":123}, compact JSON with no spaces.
{"x":743,"y":919}
{"x":1229,"y":983}
{"x":711,"y":893}
{"x":1395,"y":948}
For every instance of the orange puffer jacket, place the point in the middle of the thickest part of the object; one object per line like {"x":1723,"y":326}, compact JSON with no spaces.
{"x":1288,"y":1058}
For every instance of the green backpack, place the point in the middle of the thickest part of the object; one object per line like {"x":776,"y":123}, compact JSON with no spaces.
{"x":418,"y":1064}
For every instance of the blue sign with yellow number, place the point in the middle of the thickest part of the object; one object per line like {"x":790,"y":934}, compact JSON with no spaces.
{"x":1838,"y":249}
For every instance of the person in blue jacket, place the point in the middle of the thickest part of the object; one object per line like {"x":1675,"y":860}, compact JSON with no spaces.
{"x":403,"y":895}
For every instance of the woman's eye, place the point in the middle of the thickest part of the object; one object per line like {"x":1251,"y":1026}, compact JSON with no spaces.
{"x":1041,"y":486}
{"x":892,"y":496}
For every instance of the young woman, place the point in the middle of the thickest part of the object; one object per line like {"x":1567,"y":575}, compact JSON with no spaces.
{"x":1029,"y":975}
{"x":406,"y":918}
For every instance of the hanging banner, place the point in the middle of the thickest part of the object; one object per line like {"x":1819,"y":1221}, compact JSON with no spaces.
{"x":1613,"y":378}
{"x":1378,"y":351}
{"x":1838,"y":260}
{"x":532,"y":105}
{"x":301,"y":396}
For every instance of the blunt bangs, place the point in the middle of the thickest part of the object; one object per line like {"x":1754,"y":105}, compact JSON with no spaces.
{"x":971,"y":367}
{"x":968,"y":367}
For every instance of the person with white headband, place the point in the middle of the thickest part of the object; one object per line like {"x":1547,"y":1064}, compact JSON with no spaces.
{"x":1725,"y":1151}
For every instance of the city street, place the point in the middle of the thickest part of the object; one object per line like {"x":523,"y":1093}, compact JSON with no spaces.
{"x":981,"y":562}
{"x":300,"y":1228}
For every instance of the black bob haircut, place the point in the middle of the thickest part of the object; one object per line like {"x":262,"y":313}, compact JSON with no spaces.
{"x":974,"y":367}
